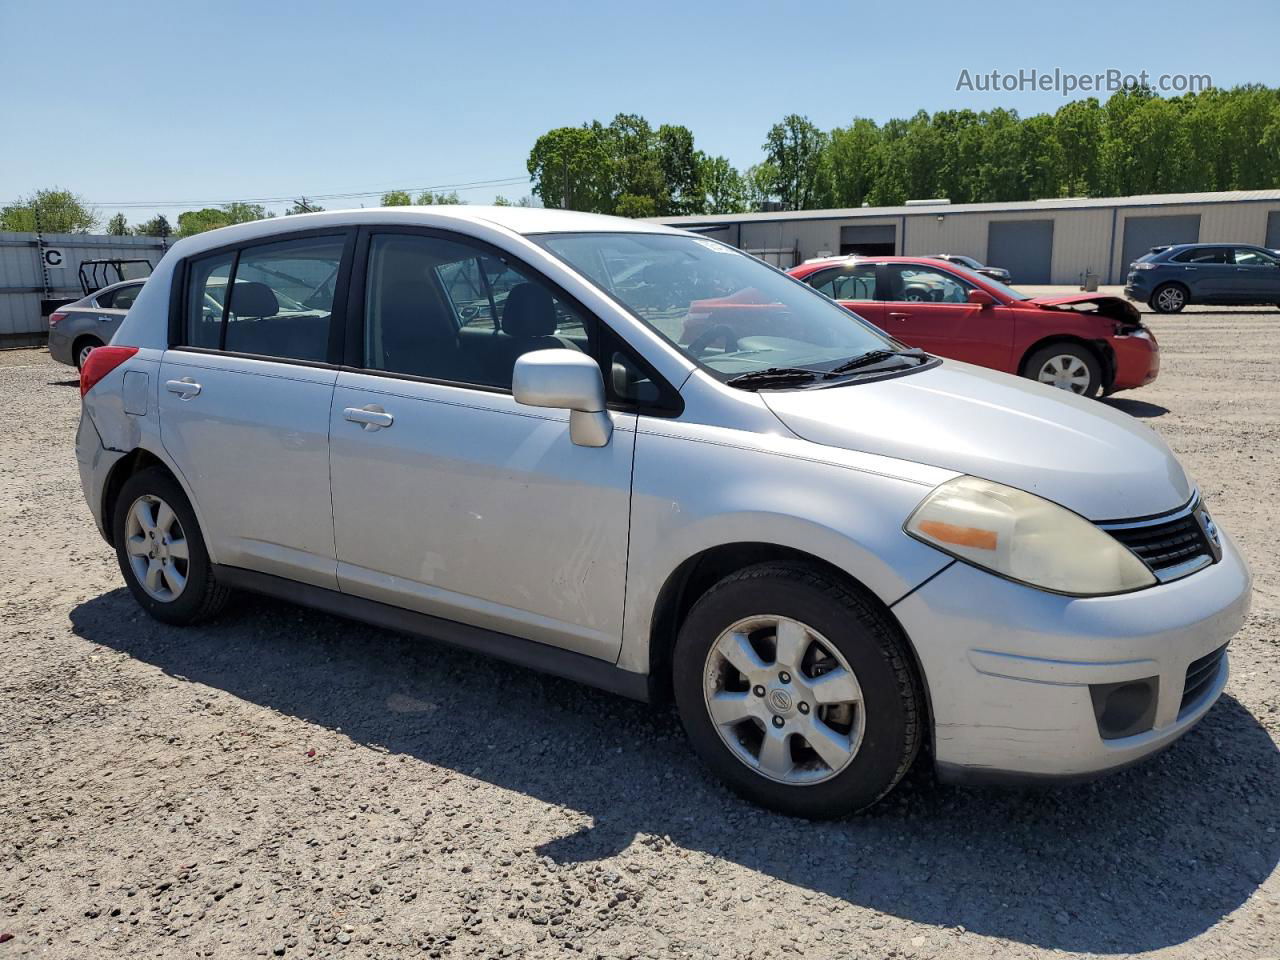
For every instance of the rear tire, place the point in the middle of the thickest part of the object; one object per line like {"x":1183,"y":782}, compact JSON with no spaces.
{"x":1168,"y":298}
{"x":834,"y":671}
{"x":1068,"y":366}
{"x":80,"y":350}
{"x":162,"y":552}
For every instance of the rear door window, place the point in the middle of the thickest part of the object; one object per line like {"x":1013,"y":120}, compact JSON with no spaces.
{"x":847,"y":283}
{"x":1204,"y":255}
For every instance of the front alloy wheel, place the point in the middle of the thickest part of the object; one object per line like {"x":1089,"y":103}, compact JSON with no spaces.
{"x":796,"y":689}
{"x":783,"y":699}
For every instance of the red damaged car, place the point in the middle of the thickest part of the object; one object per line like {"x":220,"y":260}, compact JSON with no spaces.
{"x":1086,"y":343}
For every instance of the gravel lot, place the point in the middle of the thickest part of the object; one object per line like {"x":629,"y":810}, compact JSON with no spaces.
{"x":283,"y":783}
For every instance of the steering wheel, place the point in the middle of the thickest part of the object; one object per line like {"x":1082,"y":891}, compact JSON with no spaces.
{"x":703,"y":340}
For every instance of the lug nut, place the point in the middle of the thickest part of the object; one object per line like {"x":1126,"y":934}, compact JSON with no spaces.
{"x":778,"y":721}
{"x":758,"y":691}
{"x":804,"y":707}
{"x":784,"y":677}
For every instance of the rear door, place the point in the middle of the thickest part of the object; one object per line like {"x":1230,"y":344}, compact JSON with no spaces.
{"x":245,"y":396}
{"x":853,"y":286}
{"x":112,"y":306}
{"x":449,"y":497}
{"x":928,"y":307}
{"x":1208,"y":272}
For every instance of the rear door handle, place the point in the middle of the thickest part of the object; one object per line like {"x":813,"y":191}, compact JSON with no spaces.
{"x":186,"y":388}
{"x":371,"y":416}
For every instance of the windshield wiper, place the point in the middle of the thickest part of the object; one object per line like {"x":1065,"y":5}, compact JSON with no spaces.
{"x":875,"y":357}
{"x":774,"y":377}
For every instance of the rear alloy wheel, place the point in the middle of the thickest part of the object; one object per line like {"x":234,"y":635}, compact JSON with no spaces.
{"x":797,"y":691}
{"x":1066,"y":366}
{"x":1170,"y":298}
{"x":83,"y":350}
{"x":161,"y":550}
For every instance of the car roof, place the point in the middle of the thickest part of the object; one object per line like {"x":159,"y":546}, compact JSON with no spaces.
{"x":522,"y":220}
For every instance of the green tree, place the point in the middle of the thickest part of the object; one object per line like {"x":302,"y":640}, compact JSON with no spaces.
{"x":681,"y":171}
{"x":117,"y":226}
{"x":571,"y":168}
{"x":722,"y":185}
{"x":633,"y":152}
{"x":49,"y":211}
{"x":427,"y":198}
{"x":630,"y":205}
{"x":761,"y":182}
{"x":1078,"y":128}
{"x":851,"y":160}
{"x":794,"y":148}
{"x":157,"y":226}
{"x":397,"y":198}
{"x":192,"y":222}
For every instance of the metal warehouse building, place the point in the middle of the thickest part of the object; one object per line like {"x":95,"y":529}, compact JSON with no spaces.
{"x":1038,"y":241}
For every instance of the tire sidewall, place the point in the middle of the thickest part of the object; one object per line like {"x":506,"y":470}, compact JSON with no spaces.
{"x":1037,"y":360}
{"x":887,"y":748}
{"x":187,"y":607}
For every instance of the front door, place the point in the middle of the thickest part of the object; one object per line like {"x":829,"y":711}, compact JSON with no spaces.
{"x":450,"y":498}
{"x":929,"y":308}
{"x":1257,"y":276}
{"x":244,"y":404}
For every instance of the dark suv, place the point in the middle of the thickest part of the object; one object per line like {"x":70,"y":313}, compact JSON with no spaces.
{"x":1168,"y":278}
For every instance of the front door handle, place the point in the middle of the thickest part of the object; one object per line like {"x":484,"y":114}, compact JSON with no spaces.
{"x":371,"y":416}
{"x":186,"y":388}
{"x":899,"y":316}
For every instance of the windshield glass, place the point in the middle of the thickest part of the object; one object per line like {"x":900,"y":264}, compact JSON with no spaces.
{"x":721,"y":307}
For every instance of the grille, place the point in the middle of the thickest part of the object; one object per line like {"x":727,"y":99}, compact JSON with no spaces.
{"x":1200,"y":675}
{"x":1164,"y":544}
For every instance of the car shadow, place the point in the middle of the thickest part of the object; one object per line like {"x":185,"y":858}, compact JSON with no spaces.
{"x":1144,"y":859}
{"x":1136,"y":408}
{"x":65,"y":383}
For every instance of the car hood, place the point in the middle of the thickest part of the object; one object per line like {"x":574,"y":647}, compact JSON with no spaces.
{"x":1115,"y":307}
{"x":1079,"y":453}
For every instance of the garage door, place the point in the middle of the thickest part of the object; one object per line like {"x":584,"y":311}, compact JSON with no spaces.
{"x":1023,"y":247}
{"x":870,"y":241}
{"x":1143,"y":233}
{"x":1273,"y":229}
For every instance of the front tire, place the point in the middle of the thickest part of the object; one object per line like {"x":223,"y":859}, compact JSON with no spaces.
{"x":161,"y":551}
{"x":1067,"y":366}
{"x":1168,"y":298}
{"x":797,"y":691}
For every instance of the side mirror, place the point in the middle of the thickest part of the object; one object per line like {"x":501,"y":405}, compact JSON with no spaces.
{"x":565,"y":380}
{"x":981,"y":298}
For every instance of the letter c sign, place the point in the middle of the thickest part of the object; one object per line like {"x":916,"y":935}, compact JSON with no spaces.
{"x":54,"y":258}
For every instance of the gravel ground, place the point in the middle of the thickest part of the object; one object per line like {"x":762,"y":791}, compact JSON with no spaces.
{"x":283,"y":783}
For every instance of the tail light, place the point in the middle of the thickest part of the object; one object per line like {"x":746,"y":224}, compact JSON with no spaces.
{"x":101,"y":361}
{"x":55,"y":319}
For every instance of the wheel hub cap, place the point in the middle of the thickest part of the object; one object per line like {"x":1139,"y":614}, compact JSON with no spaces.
{"x":1065,"y":372}
{"x":157,"y":548}
{"x":783,"y":699}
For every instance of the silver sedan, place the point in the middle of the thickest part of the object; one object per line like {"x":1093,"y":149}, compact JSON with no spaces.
{"x":77,"y":328}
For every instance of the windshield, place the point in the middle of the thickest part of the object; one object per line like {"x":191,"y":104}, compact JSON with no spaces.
{"x":722,"y":308}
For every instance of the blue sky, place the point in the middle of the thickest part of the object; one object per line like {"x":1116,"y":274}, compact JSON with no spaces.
{"x":149,"y":102}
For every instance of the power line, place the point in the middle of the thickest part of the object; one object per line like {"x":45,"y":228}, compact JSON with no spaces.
{"x":353,"y":195}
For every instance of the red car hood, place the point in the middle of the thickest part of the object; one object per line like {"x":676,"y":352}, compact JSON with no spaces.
{"x":1115,"y":307}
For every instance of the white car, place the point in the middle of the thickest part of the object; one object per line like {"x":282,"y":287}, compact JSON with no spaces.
{"x":480,"y":425}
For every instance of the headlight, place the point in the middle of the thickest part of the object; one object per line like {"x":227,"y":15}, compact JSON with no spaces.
{"x":1018,"y":535}
{"x":1144,"y":266}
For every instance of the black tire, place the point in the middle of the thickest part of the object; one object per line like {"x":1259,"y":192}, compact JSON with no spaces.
{"x":77,"y":349}
{"x":1035,"y":364}
{"x":1169,"y":298}
{"x":202,"y":597}
{"x":868,"y":640}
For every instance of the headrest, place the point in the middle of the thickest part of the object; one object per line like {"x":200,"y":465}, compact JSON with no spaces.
{"x":252,"y":299}
{"x":529,"y":312}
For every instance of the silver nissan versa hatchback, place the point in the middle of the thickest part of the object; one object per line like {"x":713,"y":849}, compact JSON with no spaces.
{"x":487,"y":426}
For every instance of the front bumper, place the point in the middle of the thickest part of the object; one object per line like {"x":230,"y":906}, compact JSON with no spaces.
{"x":1012,"y":672}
